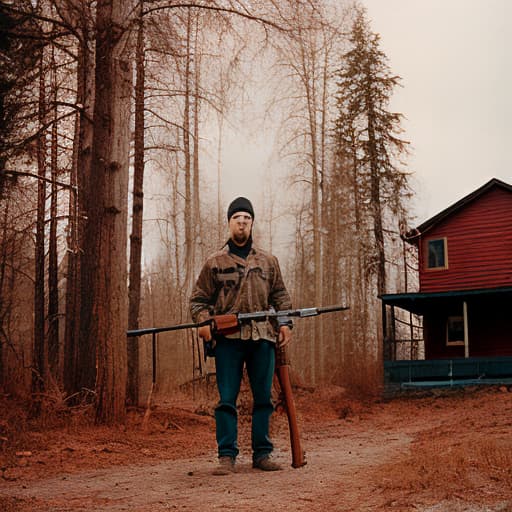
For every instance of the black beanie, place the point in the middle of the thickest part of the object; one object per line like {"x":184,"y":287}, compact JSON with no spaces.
{"x":240,"y":204}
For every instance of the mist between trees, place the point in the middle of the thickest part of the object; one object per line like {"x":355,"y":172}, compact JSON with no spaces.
{"x":114,"y":117}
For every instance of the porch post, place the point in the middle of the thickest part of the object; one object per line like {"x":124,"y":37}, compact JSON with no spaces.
{"x":393,"y":331}
{"x":466,"y":338}
{"x":385,"y":338}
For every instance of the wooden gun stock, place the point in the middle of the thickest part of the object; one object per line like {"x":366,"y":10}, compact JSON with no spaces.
{"x":283,"y":376}
{"x":225,"y":324}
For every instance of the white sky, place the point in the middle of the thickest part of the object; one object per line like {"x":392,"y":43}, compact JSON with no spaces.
{"x":455,"y":59}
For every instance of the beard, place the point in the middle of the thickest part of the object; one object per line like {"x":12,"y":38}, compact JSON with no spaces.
{"x":240,"y":238}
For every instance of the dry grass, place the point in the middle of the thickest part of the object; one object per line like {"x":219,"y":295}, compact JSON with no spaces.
{"x":451,"y":470}
{"x":496,"y":458}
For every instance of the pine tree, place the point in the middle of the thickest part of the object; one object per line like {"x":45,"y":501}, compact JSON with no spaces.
{"x":367,"y":193}
{"x":367,"y":135}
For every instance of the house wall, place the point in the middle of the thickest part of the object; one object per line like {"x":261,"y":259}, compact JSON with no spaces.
{"x":479,"y":246}
{"x":489,"y":326}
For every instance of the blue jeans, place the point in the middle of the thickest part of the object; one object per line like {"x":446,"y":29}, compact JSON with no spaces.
{"x":259,"y":358}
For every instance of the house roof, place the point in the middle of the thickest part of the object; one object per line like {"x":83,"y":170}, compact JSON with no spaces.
{"x":413,"y":234}
{"x":418,"y":303}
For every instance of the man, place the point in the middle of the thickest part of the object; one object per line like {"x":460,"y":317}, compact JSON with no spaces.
{"x":242,"y":279}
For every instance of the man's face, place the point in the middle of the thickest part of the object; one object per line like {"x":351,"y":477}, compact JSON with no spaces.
{"x":240,"y":225}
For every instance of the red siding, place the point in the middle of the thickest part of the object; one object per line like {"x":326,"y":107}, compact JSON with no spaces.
{"x":479,"y":246}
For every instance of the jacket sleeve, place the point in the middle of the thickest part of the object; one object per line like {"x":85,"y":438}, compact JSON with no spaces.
{"x":203,"y":297}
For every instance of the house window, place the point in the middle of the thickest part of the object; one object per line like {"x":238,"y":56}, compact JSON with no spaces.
{"x":455,"y":330}
{"x":437,"y":256}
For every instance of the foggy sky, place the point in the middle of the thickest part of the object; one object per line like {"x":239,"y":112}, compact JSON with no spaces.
{"x":454,"y":57}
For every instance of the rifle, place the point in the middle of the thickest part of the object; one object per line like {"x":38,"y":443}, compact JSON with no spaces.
{"x":229,"y":324}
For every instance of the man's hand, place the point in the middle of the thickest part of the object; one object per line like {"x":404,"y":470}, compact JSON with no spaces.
{"x":285,"y":335}
{"x":205,"y":332}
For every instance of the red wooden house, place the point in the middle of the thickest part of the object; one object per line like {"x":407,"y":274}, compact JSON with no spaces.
{"x":465,"y":291}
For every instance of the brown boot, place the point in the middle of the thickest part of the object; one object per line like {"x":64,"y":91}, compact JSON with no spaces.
{"x":225,"y":467}
{"x":266,"y":464}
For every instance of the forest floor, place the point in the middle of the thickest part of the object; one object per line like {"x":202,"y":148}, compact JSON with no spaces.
{"x":442,"y":451}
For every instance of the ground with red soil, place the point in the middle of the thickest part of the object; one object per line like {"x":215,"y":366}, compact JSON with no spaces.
{"x":444,"y":451}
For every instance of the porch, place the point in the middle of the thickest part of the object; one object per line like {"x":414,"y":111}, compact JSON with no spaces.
{"x":449,"y":372}
{"x":448,"y":338}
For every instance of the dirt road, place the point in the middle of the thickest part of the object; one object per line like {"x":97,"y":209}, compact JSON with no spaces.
{"x":187,"y":484}
{"x":440,"y":453}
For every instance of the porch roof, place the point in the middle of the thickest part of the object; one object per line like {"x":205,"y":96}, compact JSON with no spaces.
{"x":418,"y":303}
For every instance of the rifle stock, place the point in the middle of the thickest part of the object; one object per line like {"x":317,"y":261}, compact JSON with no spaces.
{"x":225,"y":324}
{"x":283,"y":377}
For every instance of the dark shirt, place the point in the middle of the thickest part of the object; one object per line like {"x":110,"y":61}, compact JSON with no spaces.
{"x":240,"y":251}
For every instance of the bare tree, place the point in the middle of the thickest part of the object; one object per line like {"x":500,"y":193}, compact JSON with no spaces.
{"x":53,"y":279}
{"x":134,"y":289}
{"x":39,"y":354}
{"x":79,"y":357}
{"x":105,"y":257}
{"x":308,"y":54}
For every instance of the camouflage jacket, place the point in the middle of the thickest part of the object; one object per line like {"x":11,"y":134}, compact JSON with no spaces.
{"x":230,"y":284}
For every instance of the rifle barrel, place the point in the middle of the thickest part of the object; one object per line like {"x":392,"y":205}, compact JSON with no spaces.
{"x":305,"y":312}
{"x":156,"y":330}
{"x":330,"y":309}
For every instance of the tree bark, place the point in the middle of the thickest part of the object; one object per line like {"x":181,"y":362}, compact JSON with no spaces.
{"x":106,"y":233}
{"x":4,"y":307}
{"x":188,"y":214}
{"x":375,"y":186}
{"x":134,"y":290}
{"x":53,"y":289}
{"x":196,"y":199}
{"x":79,"y":357}
{"x":39,"y":363}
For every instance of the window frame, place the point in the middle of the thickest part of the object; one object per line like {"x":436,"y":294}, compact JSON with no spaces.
{"x":455,"y":342}
{"x":427,"y":252}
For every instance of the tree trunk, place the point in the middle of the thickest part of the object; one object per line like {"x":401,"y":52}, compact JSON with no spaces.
{"x":39,"y":374}
{"x":220,"y":217}
{"x":196,"y":199}
{"x":79,"y":356}
{"x":378,"y":231}
{"x":137,"y":217}
{"x":106,"y":233}
{"x":188,"y":214}
{"x":4,"y":308}
{"x":308,"y":63}
{"x":325,"y":342}
{"x":72,"y":322}
{"x":53,"y":280}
